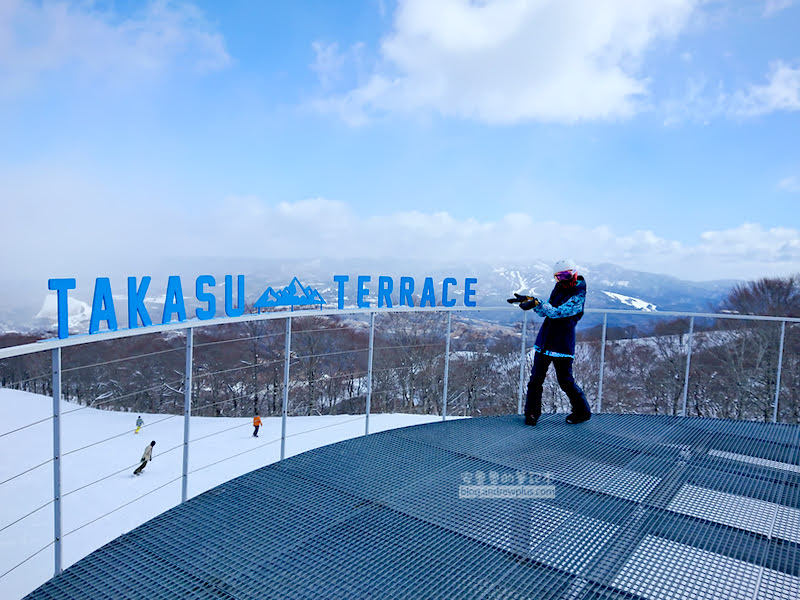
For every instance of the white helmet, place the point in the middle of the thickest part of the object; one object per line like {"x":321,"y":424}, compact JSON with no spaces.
{"x":565,"y":264}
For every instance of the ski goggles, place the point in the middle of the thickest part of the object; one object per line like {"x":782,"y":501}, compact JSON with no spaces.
{"x":564,"y":275}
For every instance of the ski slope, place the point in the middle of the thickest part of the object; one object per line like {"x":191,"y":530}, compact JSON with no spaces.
{"x":101,"y":498}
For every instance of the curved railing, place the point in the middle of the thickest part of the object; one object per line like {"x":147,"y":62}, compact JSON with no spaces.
{"x":603,"y":366}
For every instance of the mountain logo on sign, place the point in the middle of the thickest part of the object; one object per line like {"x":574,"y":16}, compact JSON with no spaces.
{"x":294,"y":294}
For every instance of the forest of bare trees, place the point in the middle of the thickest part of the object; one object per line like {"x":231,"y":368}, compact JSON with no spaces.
{"x":238,"y":369}
{"x":733,"y":365}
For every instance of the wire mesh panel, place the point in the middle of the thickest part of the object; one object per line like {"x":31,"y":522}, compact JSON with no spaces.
{"x":328,"y":366}
{"x":238,"y":370}
{"x":26,"y":470}
{"x":644,"y":364}
{"x":484,"y":362}
{"x":118,"y":397}
{"x":734,"y":369}
{"x":789,"y":406}
{"x":29,"y":372}
{"x":622,"y":506}
{"x":408,"y":363}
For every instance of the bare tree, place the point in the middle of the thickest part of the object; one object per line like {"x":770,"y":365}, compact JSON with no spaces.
{"x":409,"y":360}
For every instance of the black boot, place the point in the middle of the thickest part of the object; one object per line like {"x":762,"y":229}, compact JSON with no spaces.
{"x":575,"y":418}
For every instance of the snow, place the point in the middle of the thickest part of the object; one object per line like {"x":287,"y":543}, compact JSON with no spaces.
{"x":101,"y":498}
{"x":78,"y":313}
{"x":517,"y":280}
{"x":633,"y":302}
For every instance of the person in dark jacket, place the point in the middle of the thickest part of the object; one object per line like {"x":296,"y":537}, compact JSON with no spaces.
{"x":555,"y":342}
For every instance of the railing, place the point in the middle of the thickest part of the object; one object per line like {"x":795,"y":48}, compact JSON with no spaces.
{"x":593,"y":355}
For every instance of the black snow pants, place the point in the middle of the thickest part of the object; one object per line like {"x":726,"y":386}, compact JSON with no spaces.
{"x":563,"y":366}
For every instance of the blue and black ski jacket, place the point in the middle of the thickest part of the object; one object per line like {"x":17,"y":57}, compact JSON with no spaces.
{"x":561,"y":314}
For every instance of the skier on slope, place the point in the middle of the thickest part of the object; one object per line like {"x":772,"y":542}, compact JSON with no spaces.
{"x":139,"y":423}
{"x":555,"y":342}
{"x":147,"y":456}
{"x":256,"y":425}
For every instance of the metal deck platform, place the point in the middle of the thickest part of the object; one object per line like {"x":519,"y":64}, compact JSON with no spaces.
{"x":623,"y":506}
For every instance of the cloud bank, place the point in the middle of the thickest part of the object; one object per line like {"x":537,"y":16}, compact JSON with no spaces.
{"x":45,"y":237}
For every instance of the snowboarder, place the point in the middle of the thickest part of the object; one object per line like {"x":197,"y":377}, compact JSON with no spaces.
{"x":555,"y":342}
{"x":139,"y":423}
{"x":256,"y":425}
{"x":147,"y":456}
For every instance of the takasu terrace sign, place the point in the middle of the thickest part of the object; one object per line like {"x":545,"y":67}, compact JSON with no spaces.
{"x":104,"y":310}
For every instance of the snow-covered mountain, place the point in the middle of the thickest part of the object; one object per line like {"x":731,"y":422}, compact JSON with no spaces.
{"x":611,"y":286}
{"x":31,"y":307}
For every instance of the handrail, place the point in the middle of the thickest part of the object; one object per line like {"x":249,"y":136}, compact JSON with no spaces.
{"x":76,"y":340}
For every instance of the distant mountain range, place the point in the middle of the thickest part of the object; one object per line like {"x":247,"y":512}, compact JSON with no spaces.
{"x":30,"y":307}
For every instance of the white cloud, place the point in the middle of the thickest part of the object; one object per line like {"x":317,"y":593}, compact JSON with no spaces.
{"x":698,"y":104}
{"x":780,"y":93}
{"x":772,"y":7}
{"x":703,"y":101}
{"x":328,"y":62}
{"x":319,"y":228}
{"x":505,"y":61}
{"x":41,"y":38}
{"x":790,"y":184}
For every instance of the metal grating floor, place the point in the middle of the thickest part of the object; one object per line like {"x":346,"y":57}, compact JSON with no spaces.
{"x":641,"y":506}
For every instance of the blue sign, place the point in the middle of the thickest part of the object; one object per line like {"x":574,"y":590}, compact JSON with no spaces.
{"x":293,"y":294}
{"x":104,"y":310}
{"x":405,"y":289}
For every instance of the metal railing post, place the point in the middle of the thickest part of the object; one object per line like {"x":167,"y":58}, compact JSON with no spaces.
{"x":369,"y":370}
{"x":522,"y":362}
{"x":688,"y":366}
{"x":56,"y":355}
{"x":287,"y":350}
{"x":602,"y":364}
{"x":778,"y":374}
{"x":187,"y":411}
{"x":446,"y":366}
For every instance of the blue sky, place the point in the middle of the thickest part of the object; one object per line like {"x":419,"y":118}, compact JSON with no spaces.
{"x":659,"y":135}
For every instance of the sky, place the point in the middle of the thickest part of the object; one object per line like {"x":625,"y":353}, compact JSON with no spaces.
{"x":659,"y":136}
{"x":101,"y":498}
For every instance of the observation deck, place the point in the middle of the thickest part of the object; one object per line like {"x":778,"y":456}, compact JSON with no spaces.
{"x":622,"y":506}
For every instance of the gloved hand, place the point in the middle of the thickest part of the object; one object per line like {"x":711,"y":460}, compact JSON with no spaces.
{"x":518,"y":298}
{"x":529,"y":304}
